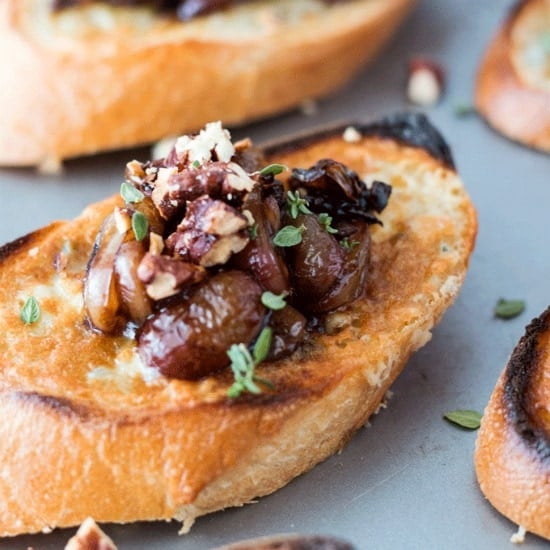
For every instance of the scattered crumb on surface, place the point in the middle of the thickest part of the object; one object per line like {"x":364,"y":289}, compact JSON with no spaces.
{"x":519,"y":536}
{"x":50,"y":166}
{"x":384,"y":403}
{"x":309,"y":107}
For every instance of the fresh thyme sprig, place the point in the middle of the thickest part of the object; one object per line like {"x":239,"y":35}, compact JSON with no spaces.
{"x":243,"y":365}
{"x":296,"y":204}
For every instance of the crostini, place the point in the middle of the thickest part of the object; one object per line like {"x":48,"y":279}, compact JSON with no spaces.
{"x":513,"y":81}
{"x":512,"y":455}
{"x":224,"y":324}
{"x":78,"y":77}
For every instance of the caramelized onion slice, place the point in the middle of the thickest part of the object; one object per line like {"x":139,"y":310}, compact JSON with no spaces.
{"x":190,"y":339}
{"x":352,"y":282}
{"x":317,"y":261}
{"x":135,"y":301}
{"x":260,"y":256}
{"x":101,"y":300}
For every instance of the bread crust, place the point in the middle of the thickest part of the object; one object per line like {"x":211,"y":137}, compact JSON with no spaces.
{"x":512,"y":456}
{"x":70,"y":89}
{"x":510,"y":94}
{"x":121,"y":449}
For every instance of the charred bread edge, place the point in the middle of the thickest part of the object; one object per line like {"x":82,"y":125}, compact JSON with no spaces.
{"x":519,"y":374}
{"x":409,"y":128}
{"x":12,"y":247}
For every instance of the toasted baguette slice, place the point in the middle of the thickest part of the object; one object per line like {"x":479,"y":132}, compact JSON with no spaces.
{"x":96,"y":78}
{"x":512,"y":455}
{"x":86,"y":434}
{"x":513,"y":81}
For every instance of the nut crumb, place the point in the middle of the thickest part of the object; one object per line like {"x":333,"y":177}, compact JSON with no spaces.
{"x":309,"y":107}
{"x":50,"y":166}
{"x":122,"y":220}
{"x":425,"y":82}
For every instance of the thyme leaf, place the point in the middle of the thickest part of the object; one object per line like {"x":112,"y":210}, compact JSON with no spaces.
{"x":253,"y":231}
{"x":262,"y":345}
{"x":326,"y":221}
{"x":30,"y":312}
{"x":508,"y":309}
{"x":347,"y":244}
{"x":296,"y":204}
{"x":140,"y":225}
{"x":273,"y":170}
{"x":243,"y":365}
{"x":289,"y":236}
{"x":130,"y":194}
{"x":463,"y":110}
{"x":464,"y":418}
{"x":273,"y":301}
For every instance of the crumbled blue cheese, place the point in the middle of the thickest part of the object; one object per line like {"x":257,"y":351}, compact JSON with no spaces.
{"x":212,"y":138}
{"x":238,"y":178}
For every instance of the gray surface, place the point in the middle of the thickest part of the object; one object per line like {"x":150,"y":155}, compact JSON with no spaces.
{"x":407,"y":481}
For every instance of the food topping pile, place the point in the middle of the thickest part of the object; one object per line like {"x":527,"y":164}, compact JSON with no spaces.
{"x":214,"y":253}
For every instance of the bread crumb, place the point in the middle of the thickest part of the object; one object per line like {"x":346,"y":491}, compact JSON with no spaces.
{"x":384,"y":403}
{"x":50,"y":166}
{"x":309,"y":107}
{"x":351,"y":135}
{"x":519,"y":536}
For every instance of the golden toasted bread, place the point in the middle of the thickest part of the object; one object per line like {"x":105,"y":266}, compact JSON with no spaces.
{"x":98,"y":77}
{"x":513,"y":81}
{"x":88,"y":433}
{"x":512,"y":455}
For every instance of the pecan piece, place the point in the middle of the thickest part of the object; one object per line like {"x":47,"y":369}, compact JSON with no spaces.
{"x":210,"y":233}
{"x":165,"y":276}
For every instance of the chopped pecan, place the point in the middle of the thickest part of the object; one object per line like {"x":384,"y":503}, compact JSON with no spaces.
{"x":210,"y":232}
{"x":165,"y":276}
{"x":214,"y":217}
{"x":223,"y":248}
{"x":135,"y":171}
{"x":217,"y":180}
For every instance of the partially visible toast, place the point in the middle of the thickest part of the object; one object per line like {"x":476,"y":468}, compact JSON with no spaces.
{"x":87,"y":433}
{"x":512,"y":455}
{"x":98,"y":77}
{"x":513,"y":81}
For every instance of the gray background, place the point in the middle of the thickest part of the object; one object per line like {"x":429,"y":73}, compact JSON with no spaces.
{"x":407,"y":481}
